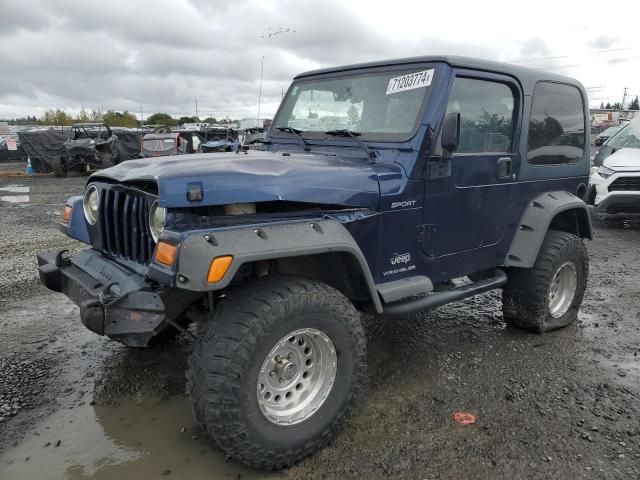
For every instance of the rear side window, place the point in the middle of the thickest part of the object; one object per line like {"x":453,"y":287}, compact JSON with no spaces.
{"x":486,"y":112}
{"x":556,"y":128}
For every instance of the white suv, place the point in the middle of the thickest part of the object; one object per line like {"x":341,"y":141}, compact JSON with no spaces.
{"x":615,"y":182}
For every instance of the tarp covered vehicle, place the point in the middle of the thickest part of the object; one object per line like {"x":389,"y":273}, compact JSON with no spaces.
{"x":89,"y":145}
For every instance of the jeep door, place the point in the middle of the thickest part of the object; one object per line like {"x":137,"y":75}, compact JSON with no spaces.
{"x":468,"y":192}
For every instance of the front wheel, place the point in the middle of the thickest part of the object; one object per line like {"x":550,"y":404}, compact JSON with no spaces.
{"x":277,"y":370}
{"x":548,"y":295}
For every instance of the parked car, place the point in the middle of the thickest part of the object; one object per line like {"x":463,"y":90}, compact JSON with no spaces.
{"x":89,"y":145}
{"x":220,"y":139}
{"x":604,"y":136}
{"x":627,"y":137}
{"x":275,"y":254}
{"x":615,"y":185}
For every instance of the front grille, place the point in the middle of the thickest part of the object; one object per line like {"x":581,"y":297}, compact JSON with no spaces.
{"x":124,"y":224}
{"x":625,"y":184}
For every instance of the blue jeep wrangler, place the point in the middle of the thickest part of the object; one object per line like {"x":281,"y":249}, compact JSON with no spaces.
{"x":387,"y":187}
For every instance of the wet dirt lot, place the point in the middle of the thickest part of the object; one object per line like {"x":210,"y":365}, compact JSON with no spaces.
{"x":562,"y":405}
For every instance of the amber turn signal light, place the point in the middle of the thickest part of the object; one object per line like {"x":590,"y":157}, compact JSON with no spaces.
{"x":66,"y":214}
{"x":166,"y":254}
{"x":218,"y":268}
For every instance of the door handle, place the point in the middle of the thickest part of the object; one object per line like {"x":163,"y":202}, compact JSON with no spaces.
{"x":504,"y":168}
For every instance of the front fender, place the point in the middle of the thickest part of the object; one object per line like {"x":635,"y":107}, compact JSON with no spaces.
{"x":264,"y":242}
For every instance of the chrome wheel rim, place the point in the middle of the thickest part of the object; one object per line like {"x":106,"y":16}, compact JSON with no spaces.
{"x":297,"y":376}
{"x":562,"y":289}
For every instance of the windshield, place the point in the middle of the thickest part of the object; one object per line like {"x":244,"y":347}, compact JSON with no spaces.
{"x":78,"y":133}
{"x":159,"y":144}
{"x":384,"y":106}
{"x":628,"y":137}
{"x":610,"y":131}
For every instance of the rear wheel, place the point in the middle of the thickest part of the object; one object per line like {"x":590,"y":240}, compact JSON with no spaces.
{"x":277,"y":370}
{"x":548,"y":295}
{"x":59,"y":166}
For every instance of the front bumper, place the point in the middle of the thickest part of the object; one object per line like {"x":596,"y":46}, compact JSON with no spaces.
{"x":113,"y":301}
{"x":619,"y":203}
{"x":608,"y":200}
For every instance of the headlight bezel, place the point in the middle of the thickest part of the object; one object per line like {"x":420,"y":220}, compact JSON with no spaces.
{"x":88,"y":213}
{"x":605,"y":172}
{"x":153,"y":228}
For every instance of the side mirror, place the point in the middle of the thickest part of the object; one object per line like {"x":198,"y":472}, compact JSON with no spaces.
{"x":450,"y":139}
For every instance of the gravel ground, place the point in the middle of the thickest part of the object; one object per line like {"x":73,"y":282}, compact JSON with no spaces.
{"x":560,"y":405}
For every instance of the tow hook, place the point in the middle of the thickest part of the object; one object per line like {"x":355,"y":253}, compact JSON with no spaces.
{"x":61,"y":259}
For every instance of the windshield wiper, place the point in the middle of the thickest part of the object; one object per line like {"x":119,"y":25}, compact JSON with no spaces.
{"x":344,"y":132}
{"x":298,"y":133}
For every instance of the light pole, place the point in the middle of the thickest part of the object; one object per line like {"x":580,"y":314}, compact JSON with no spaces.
{"x":260,"y":90}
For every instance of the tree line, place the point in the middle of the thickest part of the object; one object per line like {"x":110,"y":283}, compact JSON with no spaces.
{"x":634,"y":105}
{"x":112,"y":118}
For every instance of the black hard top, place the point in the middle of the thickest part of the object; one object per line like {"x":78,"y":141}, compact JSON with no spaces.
{"x":527,"y":76}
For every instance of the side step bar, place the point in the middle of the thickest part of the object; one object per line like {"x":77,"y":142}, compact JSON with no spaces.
{"x":432,"y":300}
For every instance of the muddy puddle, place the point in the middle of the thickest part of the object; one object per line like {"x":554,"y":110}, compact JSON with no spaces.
{"x":141,"y":438}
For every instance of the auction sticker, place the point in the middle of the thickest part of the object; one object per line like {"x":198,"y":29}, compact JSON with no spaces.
{"x":410,"y":81}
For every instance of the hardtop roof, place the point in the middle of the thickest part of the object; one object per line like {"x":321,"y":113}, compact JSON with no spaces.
{"x":526,"y":76}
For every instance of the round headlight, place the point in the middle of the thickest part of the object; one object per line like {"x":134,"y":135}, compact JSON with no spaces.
{"x":90,"y":204}
{"x":157,"y":217}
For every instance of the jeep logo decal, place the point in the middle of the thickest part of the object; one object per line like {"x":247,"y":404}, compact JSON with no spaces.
{"x":400,"y":258}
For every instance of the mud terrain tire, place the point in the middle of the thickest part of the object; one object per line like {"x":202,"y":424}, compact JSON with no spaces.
{"x":224,"y":368}
{"x":526,"y":298}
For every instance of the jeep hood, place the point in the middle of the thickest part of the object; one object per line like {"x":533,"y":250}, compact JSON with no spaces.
{"x":624,"y":159}
{"x":259,"y":177}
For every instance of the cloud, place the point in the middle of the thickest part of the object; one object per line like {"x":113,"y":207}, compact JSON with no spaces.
{"x":161,"y":54}
{"x":603,"y":42}
{"x":14,"y":17}
{"x":534,"y":48}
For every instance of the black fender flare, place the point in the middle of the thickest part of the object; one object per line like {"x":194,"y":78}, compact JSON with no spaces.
{"x":265,"y":242}
{"x":535,"y":223}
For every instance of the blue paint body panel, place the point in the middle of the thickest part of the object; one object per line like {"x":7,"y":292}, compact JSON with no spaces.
{"x":217,"y":144}
{"x":258,"y":176}
{"x":77,"y":227}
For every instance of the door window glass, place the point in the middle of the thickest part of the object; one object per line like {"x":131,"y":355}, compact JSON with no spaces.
{"x":486,"y":111}
{"x":556,"y":127}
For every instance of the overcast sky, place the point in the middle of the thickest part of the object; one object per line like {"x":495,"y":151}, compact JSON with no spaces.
{"x":161,"y":54}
